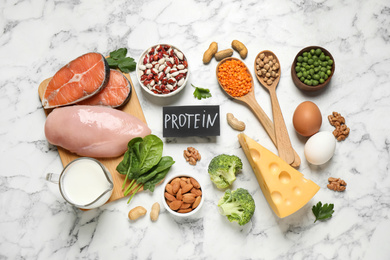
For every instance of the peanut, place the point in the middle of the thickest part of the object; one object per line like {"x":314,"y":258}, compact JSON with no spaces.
{"x":155,"y":211}
{"x":240,"y":48}
{"x":235,"y":123}
{"x":210,"y":52}
{"x":137,"y":212}
{"x":223,"y":54}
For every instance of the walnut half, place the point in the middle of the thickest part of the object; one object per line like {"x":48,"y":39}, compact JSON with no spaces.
{"x":191,"y":155}
{"x":336,"y":184}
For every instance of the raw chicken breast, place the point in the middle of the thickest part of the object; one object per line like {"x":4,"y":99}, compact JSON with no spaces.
{"x":93,"y":131}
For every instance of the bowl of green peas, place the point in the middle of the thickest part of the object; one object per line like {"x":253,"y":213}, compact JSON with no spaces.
{"x":312,"y":69}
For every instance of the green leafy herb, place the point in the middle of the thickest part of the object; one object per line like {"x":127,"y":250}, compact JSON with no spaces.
{"x":118,"y":60}
{"x":200,"y":93}
{"x":322,"y":212}
{"x":144,"y":164}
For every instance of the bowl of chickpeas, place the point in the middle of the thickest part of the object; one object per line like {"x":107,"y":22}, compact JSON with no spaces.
{"x":313,"y":68}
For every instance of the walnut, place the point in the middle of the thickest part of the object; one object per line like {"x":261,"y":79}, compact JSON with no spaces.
{"x":191,"y":155}
{"x":342,"y":131}
{"x":336,"y":184}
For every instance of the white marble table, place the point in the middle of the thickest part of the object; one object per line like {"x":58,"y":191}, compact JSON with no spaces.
{"x":38,"y":37}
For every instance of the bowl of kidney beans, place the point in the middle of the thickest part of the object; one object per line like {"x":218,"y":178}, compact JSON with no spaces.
{"x":162,"y":70}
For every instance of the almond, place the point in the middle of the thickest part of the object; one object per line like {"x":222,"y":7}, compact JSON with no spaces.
{"x":169,"y":196}
{"x":195,"y":183}
{"x":168,"y":188}
{"x":175,"y":205}
{"x":183,"y":183}
{"x":196,"y":202}
{"x":185,"y":206}
{"x":175,"y":187}
{"x":186,"y":188}
{"x":189,"y":198}
{"x":197,"y":192}
{"x":184,"y":210}
{"x":179,"y":195}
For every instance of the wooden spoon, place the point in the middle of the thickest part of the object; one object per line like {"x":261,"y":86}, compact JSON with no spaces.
{"x":282,"y":139}
{"x":250,"y":100}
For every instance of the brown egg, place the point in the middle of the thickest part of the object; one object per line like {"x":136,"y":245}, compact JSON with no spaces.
{"x":307,"y":119}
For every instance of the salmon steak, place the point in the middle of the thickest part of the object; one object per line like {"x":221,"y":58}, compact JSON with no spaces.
{"x":115,"y":94}
{"x":80,"y":79}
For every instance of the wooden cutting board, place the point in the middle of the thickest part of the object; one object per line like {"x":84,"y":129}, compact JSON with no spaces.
{"x":133,"y":107}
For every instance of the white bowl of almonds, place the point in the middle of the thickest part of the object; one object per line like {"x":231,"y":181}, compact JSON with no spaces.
{"x":162,"y":70}
{"x":182,"y":195}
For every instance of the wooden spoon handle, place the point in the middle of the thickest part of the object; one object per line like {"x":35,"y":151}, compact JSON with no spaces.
{"x":268,"y":126}
{"x":282,"y":139}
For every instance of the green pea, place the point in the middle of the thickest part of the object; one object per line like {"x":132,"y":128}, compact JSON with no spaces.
{"x":309,"y":55}
{"x":322,"y":74}
{"x":312,"y":51}
{"x":316,"y":76}
{"x":297,"y":69}
{"x":305,"y":74}
{"x":316,"y":63}
{"x":300,"y":58}
{"x":299,"y":64}
{"x":304,"y":54}
{"x":316,"y":69}
{"x":326,"y":77}
{"x":330,"y":62}
{"x":305,"y":59}
{"x":310,"y":61}
{"x":328,"y":72}
{"x":299,"y":74}
{"x":303,"y":69}
{"x":324,"y":64}
{"x":322,"y":57}
{"x":312,"y":72}
{"x":323,"y":69}
{"x":315,"y":82}
{"x":322,"y":80}
{"x":306,"y":82}
{"x":318,"y":52}
{"x":327,"y":58}
{"x":302,"y":79}
{"x":309,"y":82}
{"x":308,"y":67}
{"x":308,"y":76}
{"x":315,"y":57}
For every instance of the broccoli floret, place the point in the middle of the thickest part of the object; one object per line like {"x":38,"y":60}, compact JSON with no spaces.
{"x":223,"y":169}
{"x":237,"y":206}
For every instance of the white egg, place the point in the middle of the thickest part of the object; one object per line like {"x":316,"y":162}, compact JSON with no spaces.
{"x":320,"y":148}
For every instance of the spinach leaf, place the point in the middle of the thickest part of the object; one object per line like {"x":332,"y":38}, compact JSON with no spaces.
{"x":151,"y":184}
{"x":165,"y":163}
{"x":124,"y":167}
{"x":149,"y":153}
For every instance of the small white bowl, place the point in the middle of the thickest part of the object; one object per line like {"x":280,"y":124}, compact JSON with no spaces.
{"x":140,"y":71}
{"x":177,"y":214}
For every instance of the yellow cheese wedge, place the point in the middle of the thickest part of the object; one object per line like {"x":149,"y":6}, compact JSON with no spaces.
{"x":285,"y":188}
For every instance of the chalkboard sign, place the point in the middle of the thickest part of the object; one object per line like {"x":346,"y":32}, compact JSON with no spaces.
{"x":182,"y":121}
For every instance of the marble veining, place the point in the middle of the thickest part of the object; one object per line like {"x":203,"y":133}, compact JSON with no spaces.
{"x":38,"y":37}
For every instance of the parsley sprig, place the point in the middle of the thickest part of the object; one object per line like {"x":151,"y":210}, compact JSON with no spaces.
{"x":322,"y":212}
{"x":119,"y":60}
{"x":200,"y":93}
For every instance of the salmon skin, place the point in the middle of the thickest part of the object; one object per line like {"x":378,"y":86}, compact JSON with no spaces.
{"x":115,"y":94}
{"x":78,"y":80}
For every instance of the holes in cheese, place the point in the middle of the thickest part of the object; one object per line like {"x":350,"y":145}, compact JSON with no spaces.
{"x":285,"y":188}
